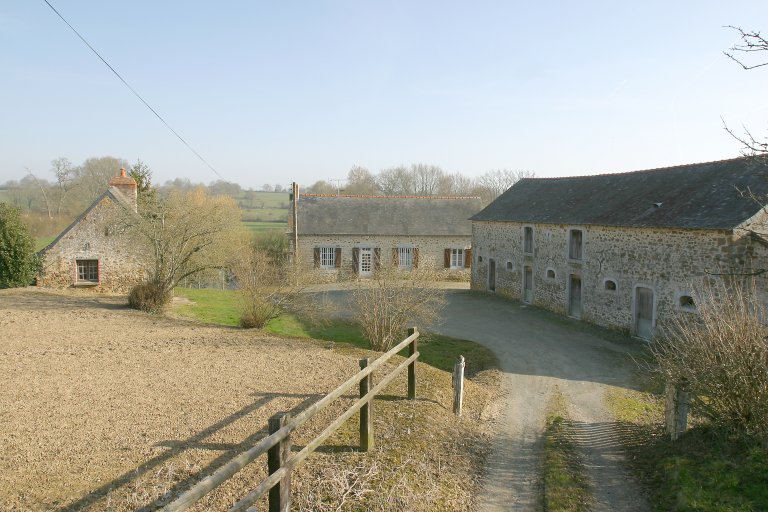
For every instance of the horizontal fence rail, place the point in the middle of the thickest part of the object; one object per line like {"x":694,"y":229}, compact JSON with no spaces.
{"x":221,"y":475}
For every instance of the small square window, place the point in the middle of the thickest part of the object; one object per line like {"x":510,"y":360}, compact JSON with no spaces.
{"x":687,"y":303}
{"x":87,"y":271}
{"x":551,"y":274}
{"x":610,"y":285}
{"x":510,"y":265}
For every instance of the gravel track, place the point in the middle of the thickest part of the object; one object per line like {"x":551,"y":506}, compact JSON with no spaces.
{"x":541,"y":353}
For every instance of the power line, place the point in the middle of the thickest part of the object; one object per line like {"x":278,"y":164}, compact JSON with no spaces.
{"x":133,"y":90}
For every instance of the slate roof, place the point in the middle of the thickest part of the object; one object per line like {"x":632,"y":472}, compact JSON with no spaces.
{"x":385,"y":215}
{"x":112,"y":192}
{"x":696,"y":196}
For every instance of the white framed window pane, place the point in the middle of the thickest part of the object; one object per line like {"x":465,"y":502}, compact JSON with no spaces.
{"x":405,"y":257}
{"x":327,"y":257}
{"x":457,"y":258}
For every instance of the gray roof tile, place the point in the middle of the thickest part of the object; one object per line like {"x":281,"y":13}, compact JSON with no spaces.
{"x":697,"y":196}
{"x":382,"y":215}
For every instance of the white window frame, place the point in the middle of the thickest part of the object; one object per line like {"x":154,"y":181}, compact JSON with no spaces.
{"x":405,"y":257}
{"x":327,"y":254}
{"x":457,"y":257}
{"x":85,"y":277}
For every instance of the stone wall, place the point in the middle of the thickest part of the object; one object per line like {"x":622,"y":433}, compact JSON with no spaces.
{"x":93,"y":238}
{"x":672,"y":262}
{"x":431,"y":251}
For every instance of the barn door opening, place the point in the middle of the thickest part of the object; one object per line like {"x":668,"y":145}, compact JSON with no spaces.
{"x":492,"y":275}
{"x":528,"y":285}
{"x":643,"y":312}
{"x":574,"y":296}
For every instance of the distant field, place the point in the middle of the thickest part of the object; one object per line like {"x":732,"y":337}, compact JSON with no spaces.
{"x":41,"y":243}
{"x":260,"y":227}
{"x":258,"y":200}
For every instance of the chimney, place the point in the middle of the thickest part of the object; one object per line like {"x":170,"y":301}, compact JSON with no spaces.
{"x":126,"y":186}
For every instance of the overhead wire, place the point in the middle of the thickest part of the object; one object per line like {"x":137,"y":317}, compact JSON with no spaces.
{"x":198,"y":155}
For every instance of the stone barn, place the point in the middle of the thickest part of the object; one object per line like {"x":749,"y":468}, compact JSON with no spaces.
{"x":625,"y":251}
{"x":91,"y":253}
{"x":340,"y":235}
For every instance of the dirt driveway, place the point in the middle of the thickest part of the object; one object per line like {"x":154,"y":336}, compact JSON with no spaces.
{"x":541,"y":353}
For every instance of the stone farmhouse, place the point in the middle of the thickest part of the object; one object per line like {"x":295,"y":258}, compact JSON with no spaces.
{"x":90,"y":253}
{"x":625,"y":251}
{"x":340,"y":235}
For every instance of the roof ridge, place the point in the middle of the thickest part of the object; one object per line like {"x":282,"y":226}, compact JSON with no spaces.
{"x":367,"y":196}
{"x":652,"y":169}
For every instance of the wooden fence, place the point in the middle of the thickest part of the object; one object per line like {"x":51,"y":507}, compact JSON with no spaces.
{"x":280,"y":460}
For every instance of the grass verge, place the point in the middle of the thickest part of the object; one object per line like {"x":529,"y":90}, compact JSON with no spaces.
{"x":221,"y":307}
{"x":706,"y":470}
{"x":565,"y":482}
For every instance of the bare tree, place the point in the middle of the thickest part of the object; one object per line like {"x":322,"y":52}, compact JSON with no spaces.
{"x":426,"y":179}
{"x":270,"y":285}
{"x":94,"y":174}
{"x":65,"y":177}
{"x":182,"y":234}
{"x":392,"y":300}
{"x":396,"y":181}
{"x":495,"y":183}
{"x":361,"y":181}
{"x":750,"y":42}
{"x":42,"y":186}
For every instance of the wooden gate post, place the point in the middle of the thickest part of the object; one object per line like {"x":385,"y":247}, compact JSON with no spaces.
{"x":414,"y":345}
{"x":676,"y":408}
{"x":366,"y":422}
{"x":458,"y":385}
{"x":280,"y":494}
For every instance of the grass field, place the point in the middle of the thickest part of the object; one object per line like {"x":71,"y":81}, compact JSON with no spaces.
{"x":221,"y":307}
{"x":41,"y":243}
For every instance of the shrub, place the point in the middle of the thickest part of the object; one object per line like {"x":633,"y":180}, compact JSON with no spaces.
{"x":722,"y":353}
{"x":148,"y":297}
{"x":393,"y":300}
{"x":18,"y":262}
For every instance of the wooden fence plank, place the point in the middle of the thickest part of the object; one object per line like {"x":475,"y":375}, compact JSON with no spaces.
{"x":366,"y":421}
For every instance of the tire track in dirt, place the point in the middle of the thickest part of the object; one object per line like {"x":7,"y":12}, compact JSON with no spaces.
{"x":539,"y":351}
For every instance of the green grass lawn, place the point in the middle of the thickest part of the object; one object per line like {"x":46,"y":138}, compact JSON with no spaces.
{"x":221,"y":307}
{"x":706,"y":470}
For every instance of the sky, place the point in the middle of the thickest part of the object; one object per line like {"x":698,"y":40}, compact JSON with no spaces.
{"x":275,"y":92}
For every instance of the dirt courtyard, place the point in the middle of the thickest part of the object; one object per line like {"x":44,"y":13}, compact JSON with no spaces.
{"x":105,"y":408}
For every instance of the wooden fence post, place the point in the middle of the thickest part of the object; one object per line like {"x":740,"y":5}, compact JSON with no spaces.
{"x":458,"y":385}
{"x":676,"y":408}
{"x":414,"y":345}
{"x":280,"y":494}
{"x":366,"y":423}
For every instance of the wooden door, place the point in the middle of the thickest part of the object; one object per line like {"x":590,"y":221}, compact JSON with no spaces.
{"x":492,"y":275}
{"x":574,"y":296}
{"x":528,"y":284}
{"x":643,"y":312}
